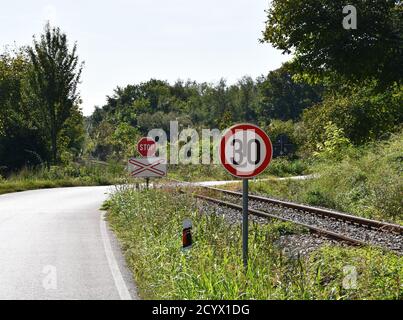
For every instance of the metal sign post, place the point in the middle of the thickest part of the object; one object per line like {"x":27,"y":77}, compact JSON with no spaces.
{"x":245,"y":222}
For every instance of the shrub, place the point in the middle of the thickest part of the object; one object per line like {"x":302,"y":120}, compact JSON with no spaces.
{"x":282,"y":167}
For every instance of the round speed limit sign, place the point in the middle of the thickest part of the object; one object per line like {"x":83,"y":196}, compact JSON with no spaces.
{"x":245,"y":150}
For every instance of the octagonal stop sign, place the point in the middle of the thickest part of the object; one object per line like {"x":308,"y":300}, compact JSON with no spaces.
{"x":146,"y":147}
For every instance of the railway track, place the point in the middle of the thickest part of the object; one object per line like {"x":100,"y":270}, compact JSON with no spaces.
{"x":324,"y":222}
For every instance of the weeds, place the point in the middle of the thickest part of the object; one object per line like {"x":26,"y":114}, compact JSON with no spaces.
{"x":149,"y":223}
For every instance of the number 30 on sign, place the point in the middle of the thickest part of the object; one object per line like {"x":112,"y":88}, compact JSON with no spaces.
{"x":245,"y":150}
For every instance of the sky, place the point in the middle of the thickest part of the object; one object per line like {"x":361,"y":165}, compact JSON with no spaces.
{"x":130,"y":41}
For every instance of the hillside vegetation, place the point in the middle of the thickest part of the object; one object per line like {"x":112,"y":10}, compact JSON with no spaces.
{"x":365,"y":181}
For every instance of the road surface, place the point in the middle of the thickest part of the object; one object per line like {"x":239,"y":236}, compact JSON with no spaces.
{"x":55,"y":244}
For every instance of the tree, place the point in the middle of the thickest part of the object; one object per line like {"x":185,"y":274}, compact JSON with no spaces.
{"x":53,"y":82}
{"x":217,"y":102}
{"x":245,"y":99}
{"x":124,"y":140}
{"x":283,"y":98}
{"x":21,"y":141}
{"x":312,"y":30}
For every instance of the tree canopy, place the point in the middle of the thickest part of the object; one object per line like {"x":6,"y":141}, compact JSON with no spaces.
{"x":53,"y":81}
{"x":40,"y":118}
{"x":312,"y":30}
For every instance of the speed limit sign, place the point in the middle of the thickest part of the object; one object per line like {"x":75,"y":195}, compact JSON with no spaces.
{"x":245,"y":150}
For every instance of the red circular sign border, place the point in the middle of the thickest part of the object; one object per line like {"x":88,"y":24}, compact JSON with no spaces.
{"x":245,"y":126}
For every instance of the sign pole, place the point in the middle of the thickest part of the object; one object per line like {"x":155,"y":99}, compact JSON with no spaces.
{"x":245,"y":222}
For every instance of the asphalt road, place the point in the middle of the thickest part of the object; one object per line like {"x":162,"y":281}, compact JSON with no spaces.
{"x":55,"y":244}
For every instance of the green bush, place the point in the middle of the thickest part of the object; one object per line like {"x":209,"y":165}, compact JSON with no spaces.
{"x":362,"y":112}
{"x":282,"y":167}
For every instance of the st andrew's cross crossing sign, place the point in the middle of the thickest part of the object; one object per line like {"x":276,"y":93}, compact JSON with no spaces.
{"x":147,"y":167}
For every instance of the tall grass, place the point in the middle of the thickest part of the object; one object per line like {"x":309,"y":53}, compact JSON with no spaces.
{"x":149,"y":226}
{"x":63,"y":176}
{"x":367,"y":182}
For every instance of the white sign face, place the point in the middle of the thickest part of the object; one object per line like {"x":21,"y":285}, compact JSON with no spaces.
{"x":245,"y":150}
{"x":147,"y":167}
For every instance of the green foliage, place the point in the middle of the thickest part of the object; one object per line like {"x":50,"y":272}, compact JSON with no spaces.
{"x":283,"y":167}
{"x":334,"y":145}
{"x":379,"y":274}
{"x":312,"y":30}
{"x":40,"y":120}
{"x":281,"y":97}
{"x":279,"y":127}
{"x":149,"y":226}
{"x":113,"y":142}
{"x":226,"y":121}
{"x":366,"y":181}
{"x":361,"y":112}
{"x":125,"y":139}
{"x":101,"y":144}
{"x":67,"y":175}
{"x":53,"y":80}
{"x":154,"y":103}
{"x":21,"y":142}
{"x":292,"y":130}
{"x":279,"y":167}
{"x":198,"y":173}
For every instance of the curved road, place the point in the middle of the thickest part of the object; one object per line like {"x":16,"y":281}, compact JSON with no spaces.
{"x":55,"y":244}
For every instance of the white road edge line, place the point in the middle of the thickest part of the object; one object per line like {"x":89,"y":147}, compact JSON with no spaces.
{"x":113,"y":265}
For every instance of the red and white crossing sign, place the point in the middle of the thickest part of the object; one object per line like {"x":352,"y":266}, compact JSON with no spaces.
{"x":245,"y":150}
{"x":147,"y":167}
{"x":146,"y":147}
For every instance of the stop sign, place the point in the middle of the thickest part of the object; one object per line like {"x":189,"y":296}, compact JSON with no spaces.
{"x":146,"y":147}
{"x":245,"y":150}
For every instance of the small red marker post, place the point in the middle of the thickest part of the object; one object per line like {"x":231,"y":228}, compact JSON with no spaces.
{"x":187,"y":234}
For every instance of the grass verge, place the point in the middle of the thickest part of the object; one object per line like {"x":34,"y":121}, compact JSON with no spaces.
{"x":72,"y":175}
{"x":24,"y":185}
{"x":148,"y":225}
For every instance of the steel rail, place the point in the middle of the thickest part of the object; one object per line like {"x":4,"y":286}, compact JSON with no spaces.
{"x":379,"y":225}
{"x":316,"y":230}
